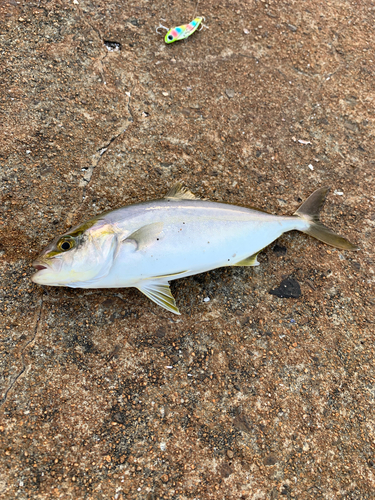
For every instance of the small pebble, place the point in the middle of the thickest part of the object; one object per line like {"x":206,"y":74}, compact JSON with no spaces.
{"x":230,"y":93}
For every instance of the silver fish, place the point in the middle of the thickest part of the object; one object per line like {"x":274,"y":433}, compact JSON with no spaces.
{"x":149,"y":244}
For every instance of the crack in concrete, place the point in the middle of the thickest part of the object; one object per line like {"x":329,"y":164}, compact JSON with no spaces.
{"x":85,"y":181}
{"x":103,"y":149}
{"x":19,"y":374}
{"x":129,"y":108}
{"x":99,"y":35}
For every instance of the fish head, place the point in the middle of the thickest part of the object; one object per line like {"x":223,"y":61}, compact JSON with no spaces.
{"x":171,"y":36}
{"x":79,"y":257}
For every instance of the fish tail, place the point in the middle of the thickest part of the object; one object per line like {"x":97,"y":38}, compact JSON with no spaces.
{"x":309,"y":211}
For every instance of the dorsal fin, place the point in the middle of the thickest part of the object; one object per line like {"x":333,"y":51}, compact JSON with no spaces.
{"x":180,"y":192}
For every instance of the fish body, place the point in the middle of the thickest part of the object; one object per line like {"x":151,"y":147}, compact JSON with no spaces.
{"x":149,"y":244}
{"x":189,"y":237}
{"x":181,"y":32}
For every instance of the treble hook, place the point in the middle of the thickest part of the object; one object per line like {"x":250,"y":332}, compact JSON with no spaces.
{"x":161,"y":27}
{"x":203,"y":25}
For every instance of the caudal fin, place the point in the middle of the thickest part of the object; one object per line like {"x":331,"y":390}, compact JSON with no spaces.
{"x":309,"y":211}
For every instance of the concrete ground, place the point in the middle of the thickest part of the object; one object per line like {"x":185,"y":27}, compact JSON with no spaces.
{"x":267,"y":397}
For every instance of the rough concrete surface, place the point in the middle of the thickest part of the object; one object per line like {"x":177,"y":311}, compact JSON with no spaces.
{"x":105,"y":395}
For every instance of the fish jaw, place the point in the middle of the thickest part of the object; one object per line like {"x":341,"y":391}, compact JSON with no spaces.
{"x":42,"y":277}
{"x":69,"y":277}
{"x":46,"y":272}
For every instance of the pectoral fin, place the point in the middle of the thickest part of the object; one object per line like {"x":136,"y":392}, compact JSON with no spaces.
{"x":146,"y":235}
{"x":160,"y":293}
{"x":249,"y":261}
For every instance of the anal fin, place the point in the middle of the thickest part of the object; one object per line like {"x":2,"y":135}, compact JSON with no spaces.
{"x":249,"y":261}
{"x":160,"y":293}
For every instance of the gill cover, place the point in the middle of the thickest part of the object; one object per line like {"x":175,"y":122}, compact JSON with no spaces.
{"x":99,"y":262}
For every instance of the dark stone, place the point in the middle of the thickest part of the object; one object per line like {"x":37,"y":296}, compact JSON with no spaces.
{"x":241,"y":423}
{"x":134,"y":22}
{"x":108,"y":303}
{"x":112,"y":45}
{"x":279,"y":250}
{"x":119,"y":417}
{"x":285,"y":490}
{"x":355,"y":265}
{"x":245,"y":320}
{"x":289,"y":288}
{"x":270,"y":460}
{"x":160,"y":332}
{"x":225,"y":470}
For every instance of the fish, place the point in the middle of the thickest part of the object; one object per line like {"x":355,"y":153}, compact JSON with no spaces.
{"x":183,"y":31}
{"x":149,"y":244}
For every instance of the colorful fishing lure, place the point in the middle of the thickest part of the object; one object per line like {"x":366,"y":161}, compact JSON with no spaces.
{"x":181,"y":32}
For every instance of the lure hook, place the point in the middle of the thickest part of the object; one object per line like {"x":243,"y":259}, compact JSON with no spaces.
{"x":161,"y":27}
{"x":203,"y":25}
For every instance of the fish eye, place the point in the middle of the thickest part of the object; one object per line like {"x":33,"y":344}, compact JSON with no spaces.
{"x":65,"y":245}
{"x":170,"y":37}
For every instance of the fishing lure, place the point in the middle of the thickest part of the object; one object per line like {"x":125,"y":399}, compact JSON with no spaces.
{"x":181,"y":32}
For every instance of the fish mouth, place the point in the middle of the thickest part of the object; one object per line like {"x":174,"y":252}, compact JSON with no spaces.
{"x":39,"y":267}
{"x":41,"y":270}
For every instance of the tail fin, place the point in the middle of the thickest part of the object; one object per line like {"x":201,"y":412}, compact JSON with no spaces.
{"x":309,"y":211}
